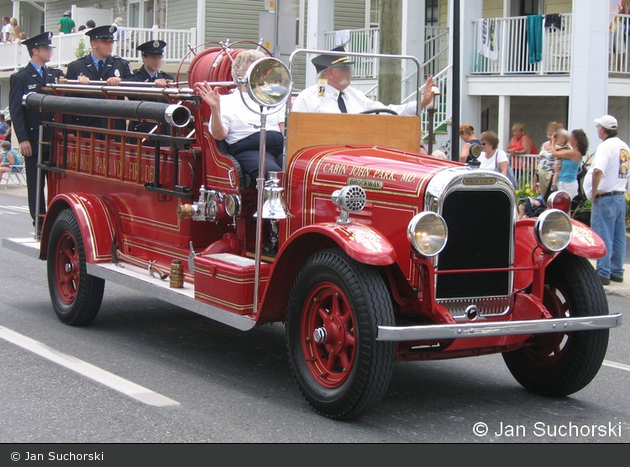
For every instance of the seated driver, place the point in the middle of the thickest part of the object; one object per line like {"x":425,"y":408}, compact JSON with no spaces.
{"x":231,"y":120}
{"x":334,"y":94}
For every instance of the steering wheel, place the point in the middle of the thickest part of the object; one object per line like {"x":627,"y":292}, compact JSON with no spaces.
{"x":378,"y":111}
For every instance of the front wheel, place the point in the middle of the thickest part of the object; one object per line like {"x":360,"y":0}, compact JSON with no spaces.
{"x":335,"y":308}
{"x":559,"y":364}
{"x":76,"y":296}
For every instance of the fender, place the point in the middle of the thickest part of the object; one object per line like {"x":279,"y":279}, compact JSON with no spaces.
{"x":585,"y":243}
{"x":360,"y":242}
{"x":94,"y":219}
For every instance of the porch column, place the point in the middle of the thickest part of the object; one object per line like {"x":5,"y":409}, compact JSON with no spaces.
{"x":16,"y":12}
{"x":319,"y":19}
{"x":589,"y":68}
{"x":201,"y":23}
{"x":504,"y":130}
{"x":413,"y":33}
{"x":470,"y":106}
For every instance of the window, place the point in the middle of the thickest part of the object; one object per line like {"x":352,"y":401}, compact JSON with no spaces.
{"x":431,"y":12}
{"x":373,"y":14}
{"x":141,"y":13}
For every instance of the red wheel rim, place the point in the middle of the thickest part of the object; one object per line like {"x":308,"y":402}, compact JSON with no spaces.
{"x":327,"y":332}
{"x":551,"y":348}
{"x":67,"y":268}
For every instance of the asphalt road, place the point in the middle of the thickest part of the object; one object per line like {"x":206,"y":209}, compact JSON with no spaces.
{"x":233,"y":387}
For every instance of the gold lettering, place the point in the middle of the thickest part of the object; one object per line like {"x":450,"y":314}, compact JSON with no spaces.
{"x":408,"y":177}
{"x":337,"y":169}
{"x":133,"y":170}
{"x":360,"y":172}
{"x":385,"y":174}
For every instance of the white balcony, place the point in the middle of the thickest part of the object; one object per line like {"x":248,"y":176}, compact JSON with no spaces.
{"x":512,"y":51}
{"x":179,"y":41}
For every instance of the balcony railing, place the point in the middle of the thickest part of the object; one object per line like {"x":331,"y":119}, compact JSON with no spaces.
{"x":14,"y":55}
{"x":505,"y":46}
{"x":507,"y":49}
{"x":619,"y":44}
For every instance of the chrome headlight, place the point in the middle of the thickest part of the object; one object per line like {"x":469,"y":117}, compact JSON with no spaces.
{"x":553,"y":230}
{"x":427,"y":233}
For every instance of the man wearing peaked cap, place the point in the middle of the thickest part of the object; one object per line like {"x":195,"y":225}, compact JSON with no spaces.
{"x":152,"y":53}
{"x":32,"y":78}
{"x":334,"y":94}
{"x":100,"y":65}
{"x":149,"y":72}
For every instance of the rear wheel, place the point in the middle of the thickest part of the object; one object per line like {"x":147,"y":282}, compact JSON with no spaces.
{"x":76,"y":296}
{"x":560,"y":364}
{"x":335,"y":308}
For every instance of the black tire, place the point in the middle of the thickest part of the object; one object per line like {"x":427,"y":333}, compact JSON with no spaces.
{"x":76,"y":296}
{"x":561,"y":364}
{"x":356,"y":300}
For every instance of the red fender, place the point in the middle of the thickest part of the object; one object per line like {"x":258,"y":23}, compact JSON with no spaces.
{"x":584,"y":242}
{"x":359,"y":241}
{"x":94,"y":219}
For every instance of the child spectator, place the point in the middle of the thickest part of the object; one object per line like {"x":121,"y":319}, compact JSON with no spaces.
{"x":9,"y":158}
{"x":562,"y":142}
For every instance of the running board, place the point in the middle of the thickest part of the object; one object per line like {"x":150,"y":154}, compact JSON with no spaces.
{"x":497,"y":328}
{"x":139,"y":279}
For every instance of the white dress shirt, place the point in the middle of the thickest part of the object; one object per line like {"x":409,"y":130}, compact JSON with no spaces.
{"x":241,"y":122}
{"x":356,"y":102}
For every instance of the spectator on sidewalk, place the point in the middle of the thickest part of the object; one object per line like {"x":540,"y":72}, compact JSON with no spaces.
{"x":66,"y":24}
{"x":3,"y":125}
{"x":606,"y":184}
{"x":467,"y":134}
{"x":9,"y":158}
{"x":521,"y":144}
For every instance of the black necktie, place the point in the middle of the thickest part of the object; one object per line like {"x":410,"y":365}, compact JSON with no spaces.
{"x":43,"y":70}
{"x":100,"y":65}
{"x":342,"y":104}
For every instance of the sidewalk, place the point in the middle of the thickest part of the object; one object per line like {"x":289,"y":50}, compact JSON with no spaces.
{"x":13,"y":189}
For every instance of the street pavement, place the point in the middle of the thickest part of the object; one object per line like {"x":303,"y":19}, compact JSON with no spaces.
{"x":214,"y":384}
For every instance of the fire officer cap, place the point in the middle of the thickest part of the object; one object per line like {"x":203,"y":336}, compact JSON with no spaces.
{"x":152,"y":48}
{"x":102,"y":32}
{"x":322,"y":62}
{"x":41,"y":40}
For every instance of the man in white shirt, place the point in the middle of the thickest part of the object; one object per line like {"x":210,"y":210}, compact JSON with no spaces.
{"x":6,"y":29}
{"x":334,"y":93}
{"x":606,"y":184}
{"x":232,"y":121}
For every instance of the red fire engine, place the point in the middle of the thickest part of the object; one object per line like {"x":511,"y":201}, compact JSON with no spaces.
{"x":369,"y":252}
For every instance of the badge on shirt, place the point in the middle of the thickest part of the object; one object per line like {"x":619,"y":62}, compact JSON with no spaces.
{"x":32,"y":86}
{"x":117,"y":73}
{"x":321,"y":82}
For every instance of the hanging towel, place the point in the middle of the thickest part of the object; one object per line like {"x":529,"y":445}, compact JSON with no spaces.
{"x":554,"y":21}
{"x":488,"y":35}
{"x":534,"y":38}
{"x":342,"y":37}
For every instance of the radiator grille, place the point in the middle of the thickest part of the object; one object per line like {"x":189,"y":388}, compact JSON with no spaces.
{"x":479,"y":236}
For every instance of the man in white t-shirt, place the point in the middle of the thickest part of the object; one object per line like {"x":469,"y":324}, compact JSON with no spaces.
{"x":6,"y":28}
{"x":606,"y":184}
{"x":232,"y":121}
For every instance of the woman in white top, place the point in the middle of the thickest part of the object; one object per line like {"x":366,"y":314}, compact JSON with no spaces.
{"x":239,"y":126}
{"x":492,"y":158}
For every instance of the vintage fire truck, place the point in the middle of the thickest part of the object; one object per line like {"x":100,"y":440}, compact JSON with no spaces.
{"x":367,"y":251}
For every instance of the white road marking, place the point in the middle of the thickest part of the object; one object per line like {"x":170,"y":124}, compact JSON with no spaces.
{"x":88,"y":370}
{"x":619,"y":366}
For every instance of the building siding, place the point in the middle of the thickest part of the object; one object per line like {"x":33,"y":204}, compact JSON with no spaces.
{"x":181,"y":14}
{"x":558,"y":6}
{"x":349,"y":14}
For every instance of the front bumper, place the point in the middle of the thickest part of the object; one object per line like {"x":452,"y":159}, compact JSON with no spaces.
{"x":497,"y":328}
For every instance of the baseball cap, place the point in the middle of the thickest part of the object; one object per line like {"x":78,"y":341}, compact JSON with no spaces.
{"x":607,"y":121}
{"x":67,"y":13}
